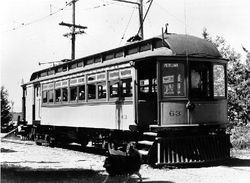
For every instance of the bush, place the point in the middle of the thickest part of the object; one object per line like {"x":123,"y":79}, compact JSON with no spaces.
{"x":240,"y":136}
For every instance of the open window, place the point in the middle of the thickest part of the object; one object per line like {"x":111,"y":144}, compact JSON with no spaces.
{"x":65,"y":94}
{"x":45,"y":96}
{"x":73,"y":94}
{"x":51,"y":96}
{"x":81,"y":92}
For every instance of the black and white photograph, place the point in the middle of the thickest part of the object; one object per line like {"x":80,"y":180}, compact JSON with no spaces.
{"x":125,"y":91}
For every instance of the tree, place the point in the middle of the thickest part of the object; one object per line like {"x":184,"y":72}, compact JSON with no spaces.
{"x":6,"y":115}
{"x":238,"y":80}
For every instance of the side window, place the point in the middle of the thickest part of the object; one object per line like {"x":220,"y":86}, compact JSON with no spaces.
{"x":102,"y":90}
{"x":173,"y":79}
{"x":219,"y":80}
{"x":82,"y":92}
{"x":91,"y":91}
{"x":58,"y":97}
{"x":114,"y":89}
{"x":127,"y":87}
{"x":51,"y":96}
{"x":73,"y":93}
{"x":45,"y":96}
{"x":64,"y":94}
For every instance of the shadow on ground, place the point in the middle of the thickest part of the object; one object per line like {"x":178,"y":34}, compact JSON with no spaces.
{"x":237,"y":162}
{"x":27,"y":175}
{"x":16,"y":174}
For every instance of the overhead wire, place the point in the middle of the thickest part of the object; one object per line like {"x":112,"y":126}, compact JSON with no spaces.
{"x":126,"y":28}
{"x":22,"y":25}
{"x":184,"y":22}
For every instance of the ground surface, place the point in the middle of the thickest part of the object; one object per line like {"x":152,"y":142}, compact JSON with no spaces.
{"x":23,"y":161}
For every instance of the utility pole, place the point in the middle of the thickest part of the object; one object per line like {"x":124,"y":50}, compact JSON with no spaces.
{"x":141,"y":34}
{"x":73,"y":31}
{"x":139,"y":3}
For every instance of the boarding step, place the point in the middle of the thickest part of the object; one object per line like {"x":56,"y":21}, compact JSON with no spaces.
{"x":146,"y":142}
{"x":153,"y":134}
{"x":150,"y":136}
{"x":143,"y":152}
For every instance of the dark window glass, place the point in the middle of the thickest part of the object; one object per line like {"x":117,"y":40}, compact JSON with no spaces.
{"x":60,"y":69}
{"x":80,"y":64}
{"x":172,"y":79}
{"x":44,"y":74}
{"x":73,"y":93}
{"x":58,"y":95}
{"x":45,"y":96}
{"x":73,"y":66}
{"x":82,"y":92}
{"x":65,"y":94}
{"x":147,"y":89}
{"x":50,"y":72}
{"x":91,"y":91}
{"x":102,"y":90}
{"x":51,"y":96}
{"x":64,"y":68}
{"x":200,"y":80}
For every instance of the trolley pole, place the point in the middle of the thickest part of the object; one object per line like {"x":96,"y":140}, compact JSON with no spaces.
{"x":139,"y":3}
{"x":73,"y":30}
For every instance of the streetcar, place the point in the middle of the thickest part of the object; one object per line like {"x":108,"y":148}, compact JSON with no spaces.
{"x":167,"y":93}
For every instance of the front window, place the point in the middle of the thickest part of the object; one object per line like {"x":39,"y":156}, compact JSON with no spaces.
{"x":173,"y":80}
{"x":207,"y":80}
{"x":200,"y":80}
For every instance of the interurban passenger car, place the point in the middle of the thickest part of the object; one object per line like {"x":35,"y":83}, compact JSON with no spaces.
{"x":168,"y":93}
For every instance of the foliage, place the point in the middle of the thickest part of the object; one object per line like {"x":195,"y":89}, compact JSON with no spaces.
{"x":238,"y":73}
{"x":6,"y":115}
{"x":240,"y":137}
{"x":238,"y":81}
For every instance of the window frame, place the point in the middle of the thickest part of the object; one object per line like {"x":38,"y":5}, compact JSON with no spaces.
{"x":225,"y":81}
{"x":159,"y":80}
{"x":209,"y":84}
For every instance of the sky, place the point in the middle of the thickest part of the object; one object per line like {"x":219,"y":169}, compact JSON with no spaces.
{"x":29,"y":30}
